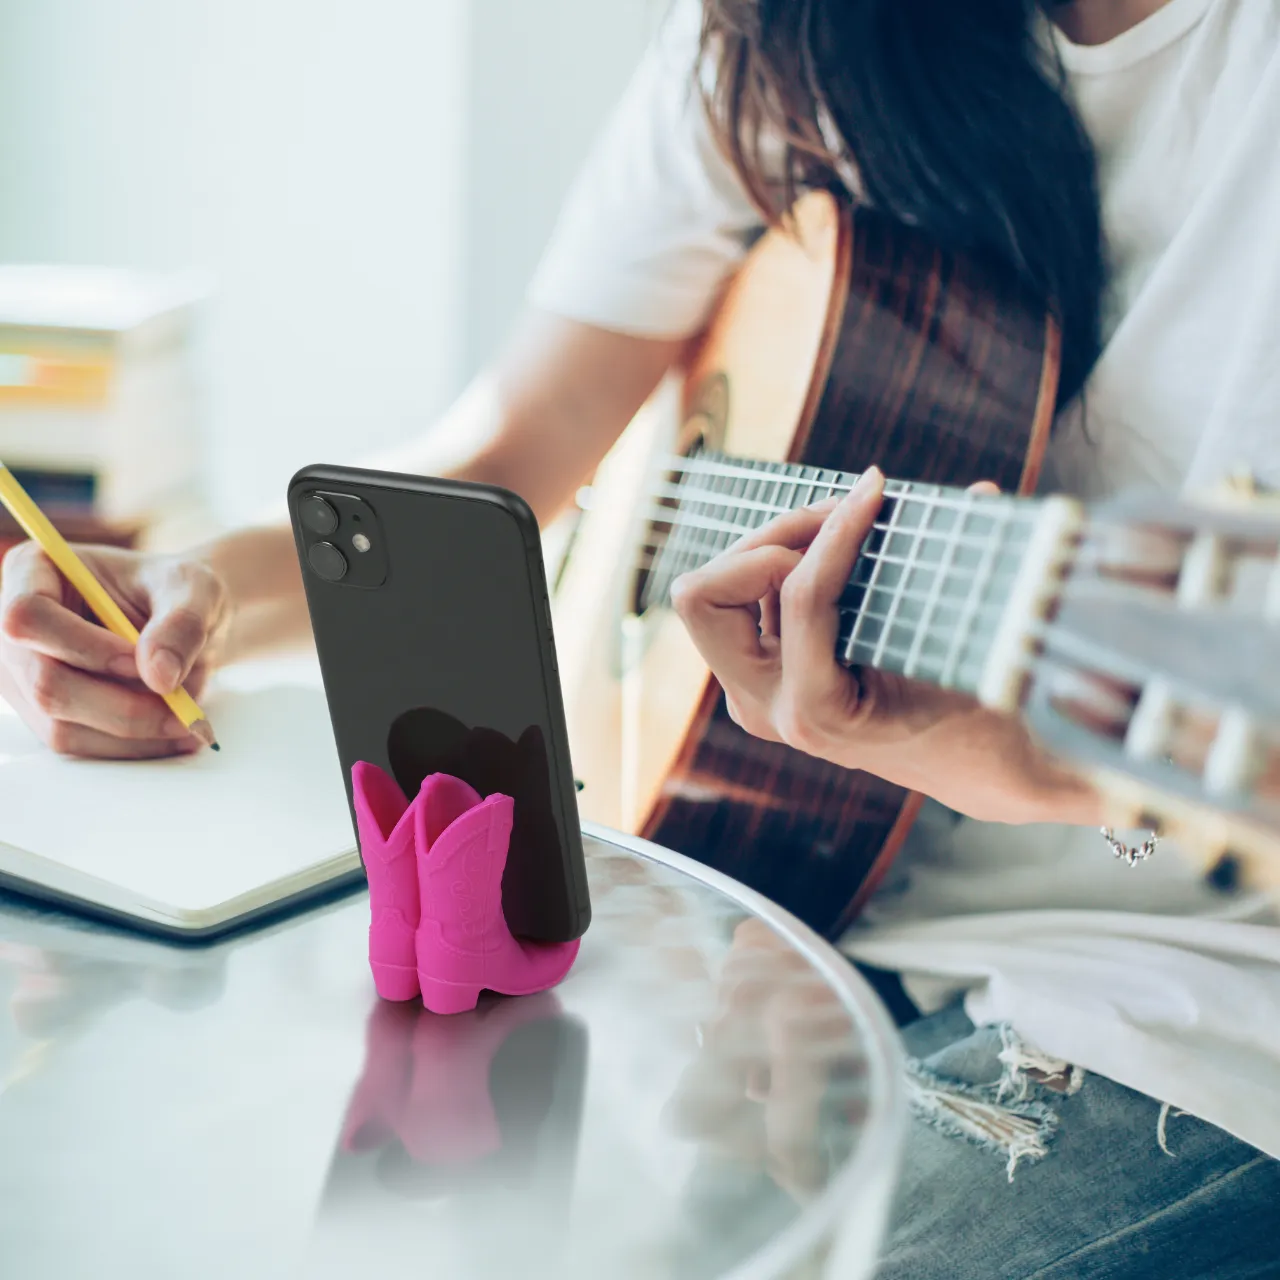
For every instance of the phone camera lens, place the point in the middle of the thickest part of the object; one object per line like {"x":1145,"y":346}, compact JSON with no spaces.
{"x":318,"y":515}
{"x":328,"y":561}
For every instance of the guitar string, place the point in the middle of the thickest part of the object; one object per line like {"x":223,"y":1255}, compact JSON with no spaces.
{"x":964,"y":504}
{"x":981,"y":623}
{"x":927,"y":497}
{"x":874,"y":577}
{"x":745,"y":480}
{"x":866,"y":560}
{"x":943,"y":495}
{"x":965,"y":579}
{"x":1005,"y":518}
{"x":797,"y":474}
{"x":973,"y":612}
{"x":704,"y":538}
{"x":980,"y":616}
{"x":669,"y":555}
{"x":688,"y":495}
{"x":985,"y":610}
{"x":746,"y":472}
{"x":977,"y":623}
{"x":899,"y":661}
{"x":724,"y":526}
{"x":678,"y":557}
{"x":895,"y":603}
{"x":649,"y":553}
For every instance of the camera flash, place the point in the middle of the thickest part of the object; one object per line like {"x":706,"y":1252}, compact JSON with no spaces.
{"x":361,"y":542}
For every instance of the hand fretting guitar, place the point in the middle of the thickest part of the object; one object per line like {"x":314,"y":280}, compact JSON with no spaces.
{"x":858,"y":342}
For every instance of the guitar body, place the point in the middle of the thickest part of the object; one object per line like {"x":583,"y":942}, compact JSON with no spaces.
{"x":849,"y":341}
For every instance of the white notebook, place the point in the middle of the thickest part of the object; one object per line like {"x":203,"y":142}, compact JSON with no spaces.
{"x":191,"y":846}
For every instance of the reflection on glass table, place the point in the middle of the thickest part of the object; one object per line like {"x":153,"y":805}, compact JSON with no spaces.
{"x":478,"y":1113}
{"x":711,"y":1093}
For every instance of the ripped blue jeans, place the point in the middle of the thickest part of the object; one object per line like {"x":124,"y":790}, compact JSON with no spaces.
{"x":1018,"y":1166}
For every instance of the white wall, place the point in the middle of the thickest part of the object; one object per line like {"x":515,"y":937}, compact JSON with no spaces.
{"x":368,"y":183}
{"x":544,"y":74}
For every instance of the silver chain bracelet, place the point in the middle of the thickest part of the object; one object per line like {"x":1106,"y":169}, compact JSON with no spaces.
{"x":1132,"y":854}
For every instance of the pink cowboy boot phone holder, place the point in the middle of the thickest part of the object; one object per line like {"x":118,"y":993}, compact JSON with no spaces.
{"x":436,"y":925}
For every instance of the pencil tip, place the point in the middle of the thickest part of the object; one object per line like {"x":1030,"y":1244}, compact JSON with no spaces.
{"x":215,"y":746}
{"x":204,"y":732}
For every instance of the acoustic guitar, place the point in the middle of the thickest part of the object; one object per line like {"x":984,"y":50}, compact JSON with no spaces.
{"x":848,"y":339}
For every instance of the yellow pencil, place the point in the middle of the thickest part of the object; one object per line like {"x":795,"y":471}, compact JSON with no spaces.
{"x":37,"y":527}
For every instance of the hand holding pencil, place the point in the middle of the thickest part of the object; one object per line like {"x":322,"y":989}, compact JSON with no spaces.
{"x":77,"y":684}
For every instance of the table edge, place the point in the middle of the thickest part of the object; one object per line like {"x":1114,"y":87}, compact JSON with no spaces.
{"x":881,"y":1143}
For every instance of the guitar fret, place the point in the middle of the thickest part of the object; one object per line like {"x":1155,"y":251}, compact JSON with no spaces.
{"x":786,"y":490}
{"x":929,"y":582}
{"x":759,"y":492}
{"x":971,"y":604}
{"x":941,"y":627}
{"x":737,"y":489}
{"x":773,"y":492}
{"x":709,"y":541}
{"x":729,"y":513}
{"x":814,"y":476}
{"x":748,"y":495}
{"x":869,"y":588}
{"x":658,"y":584}
{"x":912,"y":661}
{"x":895,"y":600}
{"x":891,"y":658}
{"x":683,"y":540}
{"x":925,"y":597}
{"x":985,"y":612}
{"x":675,"y":539}
{"x":794,"y":477}
{"x":983,"y":622}
{"x":904,"y":592}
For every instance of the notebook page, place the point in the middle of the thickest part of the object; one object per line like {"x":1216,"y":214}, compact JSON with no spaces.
{"x":188,"y":834}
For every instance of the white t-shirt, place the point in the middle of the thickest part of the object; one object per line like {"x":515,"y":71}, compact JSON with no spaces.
{"x":1144,"y":975}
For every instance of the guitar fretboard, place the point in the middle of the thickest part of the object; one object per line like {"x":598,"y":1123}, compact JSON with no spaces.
{"x":928,"y":590}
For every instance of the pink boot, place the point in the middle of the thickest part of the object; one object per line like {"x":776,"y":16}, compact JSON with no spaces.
{"x":463,"y":943}
{"x":385,"y":822}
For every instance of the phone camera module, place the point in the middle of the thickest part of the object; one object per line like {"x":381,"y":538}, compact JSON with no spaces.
{"x":318,"y":515}
{"x":328,"y":562}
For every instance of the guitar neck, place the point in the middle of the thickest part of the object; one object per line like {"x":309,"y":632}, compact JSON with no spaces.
{"x":935,"y":584}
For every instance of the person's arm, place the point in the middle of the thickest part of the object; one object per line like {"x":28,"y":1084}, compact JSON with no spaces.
{"x":653,"y":225}
{"x":537,"y":422}
{"x":541,"y":418}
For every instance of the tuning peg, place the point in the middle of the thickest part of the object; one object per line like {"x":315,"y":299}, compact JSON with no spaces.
{"x":1242,"y":488}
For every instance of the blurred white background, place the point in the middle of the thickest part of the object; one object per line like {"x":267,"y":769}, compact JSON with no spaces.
{"x":367,"y":184}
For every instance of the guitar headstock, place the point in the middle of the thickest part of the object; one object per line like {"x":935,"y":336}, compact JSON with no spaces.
{"x":1157,"y":670}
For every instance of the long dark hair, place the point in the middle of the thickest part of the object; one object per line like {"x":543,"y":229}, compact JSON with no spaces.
{"x":952,"y":116}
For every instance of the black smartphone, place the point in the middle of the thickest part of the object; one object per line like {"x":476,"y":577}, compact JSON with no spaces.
{"x":432,"y":621}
